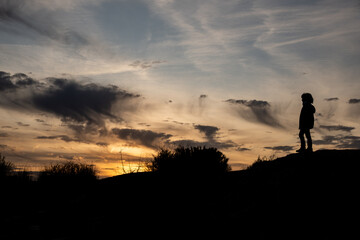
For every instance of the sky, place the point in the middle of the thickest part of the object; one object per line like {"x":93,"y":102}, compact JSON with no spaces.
{"x":109,"y":82}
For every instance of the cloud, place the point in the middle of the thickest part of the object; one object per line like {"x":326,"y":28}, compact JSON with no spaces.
{"x":80,"y":103}
{"x":340,"y":141}
{"x":64,"y":138}
{"x":354,"y":101}
{"x":281,"y":148}
{"x":6,"y":148}
{"x":242,"y":149}
{"x":22,"y":124}
{"x":5,"y":82}
{"x":349,"y":142}
{"x":326,"y":140}
{"x":143,"y":137}
{"x":209,"y":131}
{"x":337,"y":128}
{"x":192,"y":143}
{"x":40,"y":21}
{"x":255,"y":111}
{"x":331,"y":99}
{"x":210,"y":134}
{"x":102,"y":144}
{"x":10,"y":82}
{"x":189,"y":143}
{"x":82,"y":106}
{"x":4,"y":134}
{"x":145,"y":64}
{"x":154,"y":140}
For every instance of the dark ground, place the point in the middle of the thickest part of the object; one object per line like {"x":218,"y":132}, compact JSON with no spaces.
{"x":309,"y":196}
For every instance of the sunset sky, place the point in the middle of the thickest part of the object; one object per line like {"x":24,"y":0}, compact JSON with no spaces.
{"x":100,"y":81}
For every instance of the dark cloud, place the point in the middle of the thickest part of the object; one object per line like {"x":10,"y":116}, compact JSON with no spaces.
{"x":210,"y":134}
{"x":251,"y":103}
{"x":331,"y":99}
{"x":10,"y":82}
{"x":5,"y":82}
{"x":16,"y":13}
{"x":89,"y":103}
{"x":154,"y":139}
{"x":102,"y":144}
{"x":189,"y":143}
{"x":326,"y":140}
{"x":64,"y":138}
{"x":340,"y":141}
{"x":242,"y":149}
{"x":86,"y":106}
{"x":209,"y":131}
{"x":337,"y":128}
{"x":281,"y":148}
{"x":349,"y":142}
{"x":22,"y":124}
{"x":202,"y":103}
{"x":354,"y":101}
{"x":4,"y":134}
{"x":143,"y":137}
{"x":22,"y":80}
{"x":213,"y":143}
{"x":255,"y":111}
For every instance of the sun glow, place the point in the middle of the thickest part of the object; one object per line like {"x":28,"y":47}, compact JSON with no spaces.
{"x":130,"y":150}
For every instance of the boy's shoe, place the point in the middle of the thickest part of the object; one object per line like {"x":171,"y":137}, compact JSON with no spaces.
{"x":301,"y":150}
{"x":309,"y":150}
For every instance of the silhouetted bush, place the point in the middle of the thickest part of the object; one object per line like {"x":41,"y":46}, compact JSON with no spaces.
{"x":260,"y":161}
{"x":192,"y":161}
{"x":69,"y":172}
{"x":6,"y":168}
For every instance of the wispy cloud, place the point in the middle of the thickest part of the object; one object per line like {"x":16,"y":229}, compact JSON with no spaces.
{"x":209,"y":131}
{"x":340,"y":141}
{"x":30,"y":16}
{"x":337,"y":128}
{"x":256,"y":111}
{"x":66,"y":30}
{"x":146,"y":138}
{"x":281,"y":148}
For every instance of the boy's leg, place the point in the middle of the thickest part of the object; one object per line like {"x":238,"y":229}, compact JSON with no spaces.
{"x":309,"y":140}
{"x":302,"y":140}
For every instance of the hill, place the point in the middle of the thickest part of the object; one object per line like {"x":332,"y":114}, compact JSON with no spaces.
{"x":297,"y":196}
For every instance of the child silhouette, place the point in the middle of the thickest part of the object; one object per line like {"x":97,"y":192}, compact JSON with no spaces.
{"x":306,"y":122}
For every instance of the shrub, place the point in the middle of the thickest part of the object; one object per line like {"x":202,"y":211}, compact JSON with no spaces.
{"x":69,"y":172}
{"x":6,"y":168}
{"x":260,"y":161}
{"x":193,"y":161}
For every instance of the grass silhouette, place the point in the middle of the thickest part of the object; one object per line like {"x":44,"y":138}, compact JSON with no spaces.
{"x":6,"y":167}
{"x":69,"y":172}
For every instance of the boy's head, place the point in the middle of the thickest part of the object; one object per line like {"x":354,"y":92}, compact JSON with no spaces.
{"x":306,"y":97}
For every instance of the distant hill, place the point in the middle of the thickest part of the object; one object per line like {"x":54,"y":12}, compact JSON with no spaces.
{"x":300,"y":196}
